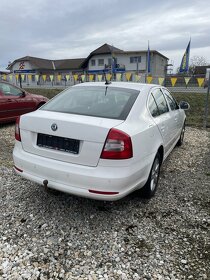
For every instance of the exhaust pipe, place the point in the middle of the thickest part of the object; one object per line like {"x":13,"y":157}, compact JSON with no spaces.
{"x":45,"y":183}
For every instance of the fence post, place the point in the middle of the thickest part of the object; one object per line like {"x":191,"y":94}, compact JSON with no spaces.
{"x":207,"y":104}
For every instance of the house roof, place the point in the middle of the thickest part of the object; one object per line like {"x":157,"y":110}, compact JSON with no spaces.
{"x":68,"y":64}
{"x":36,"y":61}
{"x":48,"y":64}
{"x":106,"y":48}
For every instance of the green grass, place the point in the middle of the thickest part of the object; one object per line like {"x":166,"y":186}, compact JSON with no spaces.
{"x":49,"y":93}
{"x":197,"y":101}
{"x":195,"y":116}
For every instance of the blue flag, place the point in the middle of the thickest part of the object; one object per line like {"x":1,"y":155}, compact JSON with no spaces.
{"x":148,"y":59}
{"x":184,"y":67}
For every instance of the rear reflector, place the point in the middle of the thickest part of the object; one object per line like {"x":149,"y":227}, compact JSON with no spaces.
{"x":18,"y":169}
{"x":17,"y":129}
{"x":118,"y":145}
{"x":104,"y":193}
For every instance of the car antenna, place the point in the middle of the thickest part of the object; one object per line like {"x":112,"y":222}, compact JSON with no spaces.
{"x":107,"y":82}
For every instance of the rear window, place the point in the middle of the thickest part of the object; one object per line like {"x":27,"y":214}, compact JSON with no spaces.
{"x":104,"y":102}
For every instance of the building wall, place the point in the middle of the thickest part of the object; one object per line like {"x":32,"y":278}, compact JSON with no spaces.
{"x":97,"y":67}
{"x":157,"y":63}
{"x":23,"y":65}
{"x":125,"y":59}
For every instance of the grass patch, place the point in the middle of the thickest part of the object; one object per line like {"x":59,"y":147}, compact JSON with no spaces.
{"x":49,"y":93}
{"x":197,"y":101}
{"x":195,"y":116}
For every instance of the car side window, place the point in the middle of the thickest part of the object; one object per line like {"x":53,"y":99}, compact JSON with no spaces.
{"x":9,"y":90}
{"x":153,"y":106}
{"x":160,"y":101}
{"x":171,"y":101}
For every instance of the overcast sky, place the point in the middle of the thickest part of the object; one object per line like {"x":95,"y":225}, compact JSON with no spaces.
{"x":74,"y":28}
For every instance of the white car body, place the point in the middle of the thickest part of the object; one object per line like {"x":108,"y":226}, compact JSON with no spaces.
{"x":86,"y":173}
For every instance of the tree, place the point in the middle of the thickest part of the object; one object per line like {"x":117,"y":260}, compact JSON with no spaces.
{"x":197,"y":61}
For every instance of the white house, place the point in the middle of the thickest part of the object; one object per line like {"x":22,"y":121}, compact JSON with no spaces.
{"x":111,"y":59}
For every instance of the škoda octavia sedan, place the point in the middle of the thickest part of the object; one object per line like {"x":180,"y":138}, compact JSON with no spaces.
{"x":100,"y":140}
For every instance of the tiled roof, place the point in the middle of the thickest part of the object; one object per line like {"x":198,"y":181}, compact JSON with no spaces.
{"x":63,"y":64}
{"x":48,"y":64}
{"x":104,"y":49}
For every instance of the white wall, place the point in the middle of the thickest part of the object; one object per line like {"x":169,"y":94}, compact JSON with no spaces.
{"x":96,"y":58}
{"x":157,"y":62}
{"x":27,"y":66}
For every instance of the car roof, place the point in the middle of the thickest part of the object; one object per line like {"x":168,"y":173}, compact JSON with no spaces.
{"x":130,"y":85}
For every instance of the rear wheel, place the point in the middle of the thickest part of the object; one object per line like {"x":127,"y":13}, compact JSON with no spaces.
{"x":150,"y":187}
{"x":181,"y":138}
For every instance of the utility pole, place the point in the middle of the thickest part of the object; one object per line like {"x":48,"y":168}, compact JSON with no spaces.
{"x":207,"y":104}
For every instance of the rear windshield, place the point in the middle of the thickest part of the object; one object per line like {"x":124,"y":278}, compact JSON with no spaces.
{"x":104,"y":102}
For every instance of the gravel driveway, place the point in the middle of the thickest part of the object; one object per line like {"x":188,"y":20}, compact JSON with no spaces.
{"x":52,"y":235}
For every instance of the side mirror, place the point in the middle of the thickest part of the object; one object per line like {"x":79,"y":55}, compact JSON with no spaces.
{"x":23,"y":94}
{"x":184,"y":105}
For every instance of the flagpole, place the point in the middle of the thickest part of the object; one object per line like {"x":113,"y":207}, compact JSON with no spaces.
{"x":147,"y":61}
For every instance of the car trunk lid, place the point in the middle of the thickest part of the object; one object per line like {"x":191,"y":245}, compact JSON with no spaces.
{"x":66,"y":137}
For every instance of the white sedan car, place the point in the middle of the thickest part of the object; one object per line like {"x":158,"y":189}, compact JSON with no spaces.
{"x":100,"y":140}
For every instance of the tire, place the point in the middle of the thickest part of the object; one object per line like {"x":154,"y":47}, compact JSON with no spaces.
{"x":181,"y":138}
{"x":150,"y":187}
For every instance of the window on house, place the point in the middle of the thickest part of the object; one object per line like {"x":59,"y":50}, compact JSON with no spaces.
{"x":93,"y":62}
{"x":135,"y":59}
{"x":100,"y":62}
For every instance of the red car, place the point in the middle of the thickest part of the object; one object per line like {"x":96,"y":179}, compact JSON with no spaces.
{"x":15,"y":101}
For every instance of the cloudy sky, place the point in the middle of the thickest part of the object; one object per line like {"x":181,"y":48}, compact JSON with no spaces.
{"x":74,"y":28}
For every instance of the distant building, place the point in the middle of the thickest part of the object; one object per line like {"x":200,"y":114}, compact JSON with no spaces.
{"x":108,"y":58}
{"x":201,"y":70}
{"x":105,"y":59}
{"x":33,"y":66}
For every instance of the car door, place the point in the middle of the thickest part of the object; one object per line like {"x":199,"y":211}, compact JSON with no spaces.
{"x":8,"y":103}
{"x":160,"y":111}
{"x":16,"y":101}
{"x":175,"y":114}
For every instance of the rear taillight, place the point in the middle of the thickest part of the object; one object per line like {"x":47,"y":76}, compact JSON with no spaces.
{"x":17,"y":129}
{"x":118,"y":145}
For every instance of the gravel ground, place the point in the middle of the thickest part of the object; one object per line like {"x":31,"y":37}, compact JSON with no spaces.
{"x":51,"y":235}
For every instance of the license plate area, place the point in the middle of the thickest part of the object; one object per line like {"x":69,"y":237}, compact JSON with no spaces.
{"x":58,"y":143}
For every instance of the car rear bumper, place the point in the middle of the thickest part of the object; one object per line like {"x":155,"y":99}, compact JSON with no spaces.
{"x":101,"y":182}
